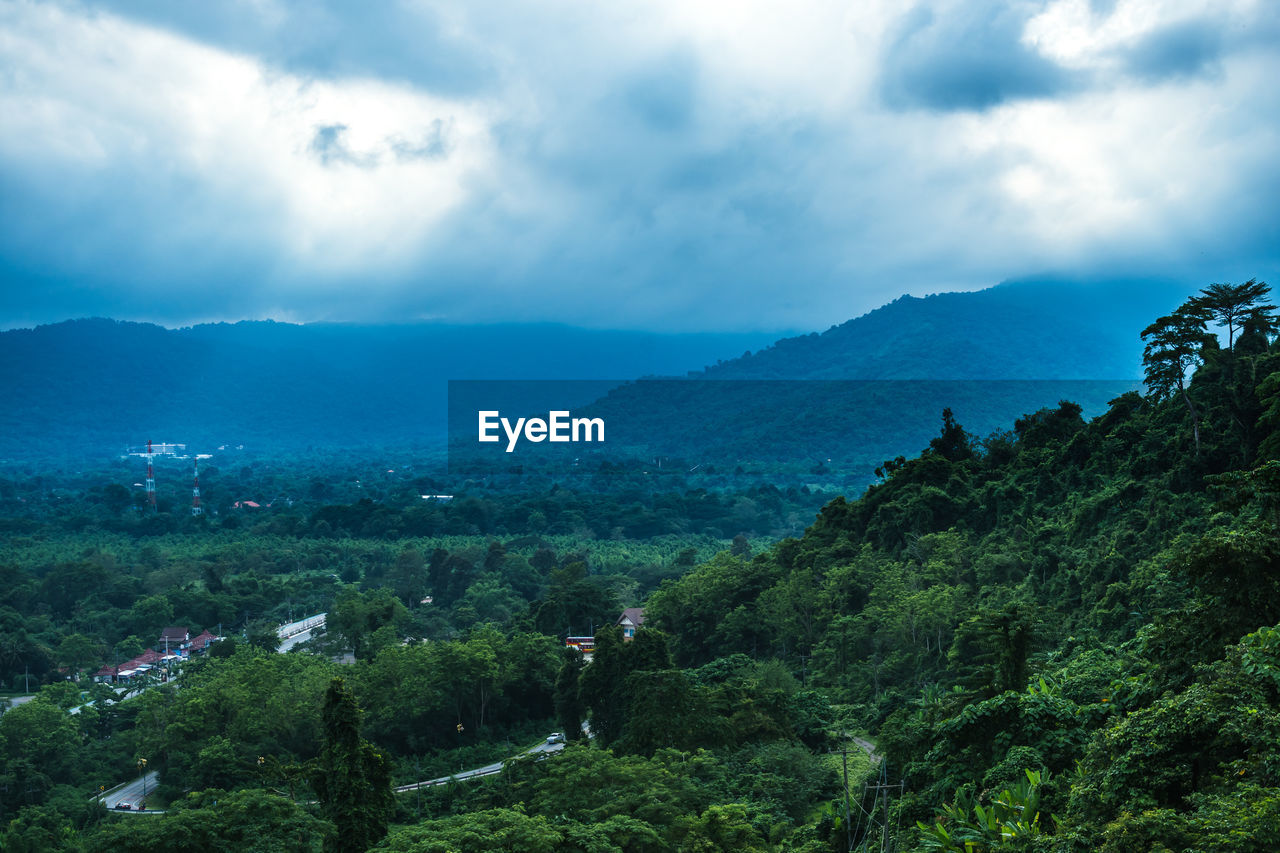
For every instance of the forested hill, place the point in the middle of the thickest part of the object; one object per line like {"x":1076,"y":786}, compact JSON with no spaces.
{"x":1065,"y":639}
{"x":1025,"y":330}
{"x":93,"y":386}
{"x":97,"y":385}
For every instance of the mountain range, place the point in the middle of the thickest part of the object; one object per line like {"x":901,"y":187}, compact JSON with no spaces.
{"x":92,"y":386}
{"x":1025,"y":330}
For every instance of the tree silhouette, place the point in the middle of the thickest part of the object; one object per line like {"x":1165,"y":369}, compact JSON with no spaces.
{"x":568,"y":703}
{"x":1234,"y":305}
{"x":1175,"y":344}
{"x":352,"y":779}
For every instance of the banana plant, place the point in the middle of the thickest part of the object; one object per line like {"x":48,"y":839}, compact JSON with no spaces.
{"x":967,"y":826}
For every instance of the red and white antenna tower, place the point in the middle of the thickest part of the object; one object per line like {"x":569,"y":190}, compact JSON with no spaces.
{"x":196,"y":509}
{"x":151,"y":479}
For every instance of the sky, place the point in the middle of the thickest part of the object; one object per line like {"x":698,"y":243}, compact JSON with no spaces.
{"x":661,"y":165}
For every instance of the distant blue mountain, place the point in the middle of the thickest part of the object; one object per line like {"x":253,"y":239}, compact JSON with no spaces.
{"x":1020,"y":330}
{"x":95,"y":386}
{"x":87,"y":387}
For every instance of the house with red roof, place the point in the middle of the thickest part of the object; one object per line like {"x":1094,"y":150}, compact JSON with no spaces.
{"x":201,"y":642}
{"x":130,"y":669}
{"x":175,"y":644}
{"x":173,"y":638}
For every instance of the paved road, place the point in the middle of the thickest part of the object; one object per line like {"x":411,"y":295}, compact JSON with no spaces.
{"x":868,"y":747}
{"x":15,"y":701}
{"x":543,"y":748}
{"x":132,"y":792}
{"x":289,"y":642}
{"x":300,"y":631}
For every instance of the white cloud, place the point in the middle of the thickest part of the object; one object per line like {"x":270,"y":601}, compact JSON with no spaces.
{"x":179,"y":125}
{"x":659,"y":164}
{"x":1077,"y":35}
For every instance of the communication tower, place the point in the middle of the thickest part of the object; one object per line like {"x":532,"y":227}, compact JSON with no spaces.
{"x":151,"y":478}
{"x":196,"y":509}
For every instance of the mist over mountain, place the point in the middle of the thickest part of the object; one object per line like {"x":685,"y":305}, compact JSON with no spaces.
{"x":98,"y":385}
{"x":95,"y":386}
{"x":1019,"y":330}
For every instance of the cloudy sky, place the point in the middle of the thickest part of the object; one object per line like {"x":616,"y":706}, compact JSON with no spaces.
{"x":663,"y":165}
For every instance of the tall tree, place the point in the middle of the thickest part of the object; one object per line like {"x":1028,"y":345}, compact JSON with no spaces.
{"x":357,"y":615}
{"x":409,"y":577}
{"x":603,"y":687}
{"x":353,"y":778}
{"x":568,"y":703}
{"x":1232,"y":305}
{"x":575,"y":602}
{"x":1175,"y":344}
{"x":78,"y":652}
{"x":992,"y":647}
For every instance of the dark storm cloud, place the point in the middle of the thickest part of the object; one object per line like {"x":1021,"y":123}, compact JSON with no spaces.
{"x":575,"y":165}
{"x":966,"y":56}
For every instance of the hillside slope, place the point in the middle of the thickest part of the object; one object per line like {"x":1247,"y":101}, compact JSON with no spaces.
{"x":1078,"y":620}
{"x":1025,"y":330}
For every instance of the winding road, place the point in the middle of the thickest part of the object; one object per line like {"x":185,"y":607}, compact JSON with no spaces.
{"x":133,"y":792}
{"x":543,"y":748}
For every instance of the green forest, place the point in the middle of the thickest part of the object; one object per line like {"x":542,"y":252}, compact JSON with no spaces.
{"x":1061,"y":636}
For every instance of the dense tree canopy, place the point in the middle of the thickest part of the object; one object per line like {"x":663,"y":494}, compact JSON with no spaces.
{"x":1064,"y":636}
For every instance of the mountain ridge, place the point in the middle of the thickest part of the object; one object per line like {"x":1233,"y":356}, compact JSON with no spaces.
{"x":1015,"y":330}
{"x":97,"y":384}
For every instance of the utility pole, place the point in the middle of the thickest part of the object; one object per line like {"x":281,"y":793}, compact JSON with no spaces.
{"x":885,"y":787}
{"x":884,"y":833}
{"x":848,"y":816}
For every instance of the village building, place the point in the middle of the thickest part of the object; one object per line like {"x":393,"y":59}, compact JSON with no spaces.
{"x":175,"y":645}
{"x":173,"y":639}
{"x":630,"y":620}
